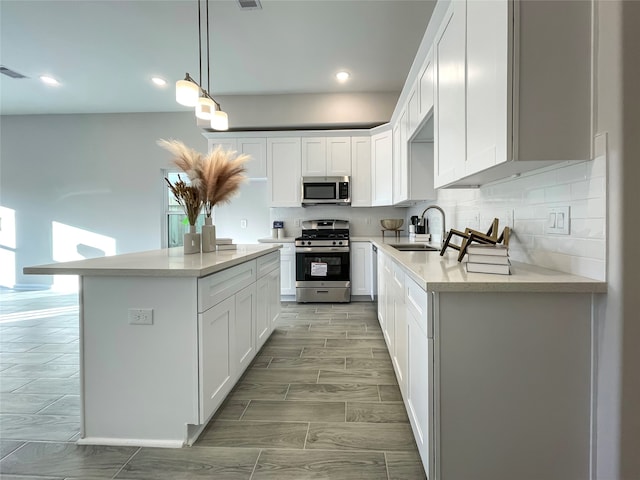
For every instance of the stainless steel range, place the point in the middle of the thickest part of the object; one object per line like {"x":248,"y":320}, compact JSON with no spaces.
{"x":323,"y":271}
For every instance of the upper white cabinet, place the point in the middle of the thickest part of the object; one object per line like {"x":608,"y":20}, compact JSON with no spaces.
{"x":256,"y":148}
{"x":382,"y":168}
{"x":361,"y":171}
{"x":425,"y":88}
{"x":513,"y":88}
{"x":326,"y":156}
{"x":283,"y":171}
{"x":400,"y":160}
{"x":449,"y":114}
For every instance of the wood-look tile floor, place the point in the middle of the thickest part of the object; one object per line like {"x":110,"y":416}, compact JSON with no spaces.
{"x":319,"y":401}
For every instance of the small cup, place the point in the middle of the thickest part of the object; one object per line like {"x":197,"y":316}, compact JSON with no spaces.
{"x":274,"y":232}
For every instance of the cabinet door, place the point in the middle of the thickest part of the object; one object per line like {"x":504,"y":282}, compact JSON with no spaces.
{"x":288,"y":270}
{"x":361,"y":268}
{"x":314,"y":156}
{"x":245,"y":326}
{"x":419,"y":398}
{"x":283,"y":171}
{"x":256,"y":148}
{"x":339,"y":156}
{"x":487,"y":88}
{"x":413,"y":112}
{"x":450,"y":114}
{"x":274,"y":303}
{"x":425,"y":87}
{"x":382,"y":293}
{"x":382,"y":169}
{"x":361,"y":171}
{"x":400,"y":160}
{"x":263,"y":320}
{"x":398,"y":336}
{"x":216,"y":346}
{"x":224,"y":143}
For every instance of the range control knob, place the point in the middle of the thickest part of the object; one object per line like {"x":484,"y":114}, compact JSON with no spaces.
{"x":339,"y":243}
{"x":308,"y":243}
{"x":334,"y":242}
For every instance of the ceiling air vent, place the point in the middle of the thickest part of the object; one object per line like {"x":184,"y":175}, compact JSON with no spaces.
{"x":10,"y":73}
{"x":249,"y":4}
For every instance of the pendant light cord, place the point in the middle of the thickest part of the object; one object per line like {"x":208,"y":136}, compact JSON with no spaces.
{"x":208,"y":71}
{"x":200,"y":43}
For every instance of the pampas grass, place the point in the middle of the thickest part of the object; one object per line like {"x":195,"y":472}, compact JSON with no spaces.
{"x":188,"y":196}
{"x":216,"y":176}
{"x":222,"y":175}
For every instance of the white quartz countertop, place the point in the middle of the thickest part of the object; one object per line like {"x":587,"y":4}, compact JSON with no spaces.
{"x":445,"y":274}
{"x":168,"y":262}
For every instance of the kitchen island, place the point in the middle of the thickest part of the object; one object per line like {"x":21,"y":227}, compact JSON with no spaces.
{"x":164,"y":337}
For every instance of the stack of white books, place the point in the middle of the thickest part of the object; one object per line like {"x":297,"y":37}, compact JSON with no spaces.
{"x":488,"y":259}
{"x":225,"y":244}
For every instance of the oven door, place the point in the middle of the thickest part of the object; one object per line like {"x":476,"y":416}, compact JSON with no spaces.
{"x":329,"y":265}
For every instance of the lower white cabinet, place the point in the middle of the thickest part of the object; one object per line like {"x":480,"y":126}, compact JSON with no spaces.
{"x":268,"y":304}
{"x":361,"y":268}
{"x":484,"y":373}
{"x":216,"y":342}
{"x":245,"y":326}
{"x":288,"y":269}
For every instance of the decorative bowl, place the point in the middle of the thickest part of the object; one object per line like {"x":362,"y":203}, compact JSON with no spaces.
{"x":391,"y":223}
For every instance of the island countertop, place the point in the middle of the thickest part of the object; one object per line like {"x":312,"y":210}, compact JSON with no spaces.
{"x":167,"y":262}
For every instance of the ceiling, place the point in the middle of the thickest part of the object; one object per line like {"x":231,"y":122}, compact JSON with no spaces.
{"x":104,"y":52}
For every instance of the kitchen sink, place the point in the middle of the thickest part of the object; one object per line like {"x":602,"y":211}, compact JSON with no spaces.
{"x":414,"y":247}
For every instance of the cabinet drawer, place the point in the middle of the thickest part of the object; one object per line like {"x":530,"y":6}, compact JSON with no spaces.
{"x":214,"y":288}
{"x":417,"y":302}
{"x":267,"y":263}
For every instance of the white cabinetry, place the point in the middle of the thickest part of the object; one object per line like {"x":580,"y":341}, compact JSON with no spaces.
{"x":283,"y":171}
{"x":217,"y":369}
{"x":382,"y":169}
{"x":268,"y":297}
{"x":361,"y":269}
{"x":450,"y":115}
{"x":255,"y":147}
{"x":245,"y":326}
{"x":326,"y":156}
{"x":495,"y":98}
{"x":475,"y":385}
{"x":400,"y":160}
{"x":425,"y":89}
{"x":360,"y":171}
{"x":288,"y":269}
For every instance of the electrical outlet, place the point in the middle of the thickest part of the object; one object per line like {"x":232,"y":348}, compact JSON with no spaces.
{"x":140,"y":316}
{"x":296,"y":222}
{"x":243,"y":223}
{"x":367,"y":220}
{"x":558,"y":221}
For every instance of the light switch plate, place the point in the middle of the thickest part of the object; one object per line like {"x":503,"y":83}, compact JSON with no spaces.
{"x":558,"y":221}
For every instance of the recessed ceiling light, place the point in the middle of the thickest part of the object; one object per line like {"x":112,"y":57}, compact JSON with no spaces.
{"x":161,"y":82}
{"x":342,"y":76}
{"x":49,"y":80}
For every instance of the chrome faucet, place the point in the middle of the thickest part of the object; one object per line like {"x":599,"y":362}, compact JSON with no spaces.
{"x":443,"y":221}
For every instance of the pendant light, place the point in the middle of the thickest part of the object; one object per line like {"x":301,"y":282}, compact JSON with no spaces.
{"x":219,"y":119}
{"x":191,"y":93}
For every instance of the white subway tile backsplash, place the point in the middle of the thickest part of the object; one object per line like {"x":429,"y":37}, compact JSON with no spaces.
{"x":581,"y":186}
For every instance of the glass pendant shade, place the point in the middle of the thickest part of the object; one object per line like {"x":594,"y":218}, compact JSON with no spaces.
{"x":187,"y":93}
{"x":205,"y":108}
{"x":220,"y":120}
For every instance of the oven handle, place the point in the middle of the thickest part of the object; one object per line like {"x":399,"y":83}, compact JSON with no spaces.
{"x":321,"y":249}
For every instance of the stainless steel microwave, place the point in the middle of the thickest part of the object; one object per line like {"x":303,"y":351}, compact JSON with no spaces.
{"x":326,"y":191}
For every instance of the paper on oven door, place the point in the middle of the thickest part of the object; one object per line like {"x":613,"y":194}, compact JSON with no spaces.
{"x":318,"y":269}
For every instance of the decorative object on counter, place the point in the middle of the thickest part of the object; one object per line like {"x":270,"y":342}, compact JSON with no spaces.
{"x":278,"y":229}
{"x":226,"y":244}
{"x":470,"y":235}
{"x":216,"y":177}
{"x":392,"y":225}
{"x":189,"y":197}
{"x":486,"y":258}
